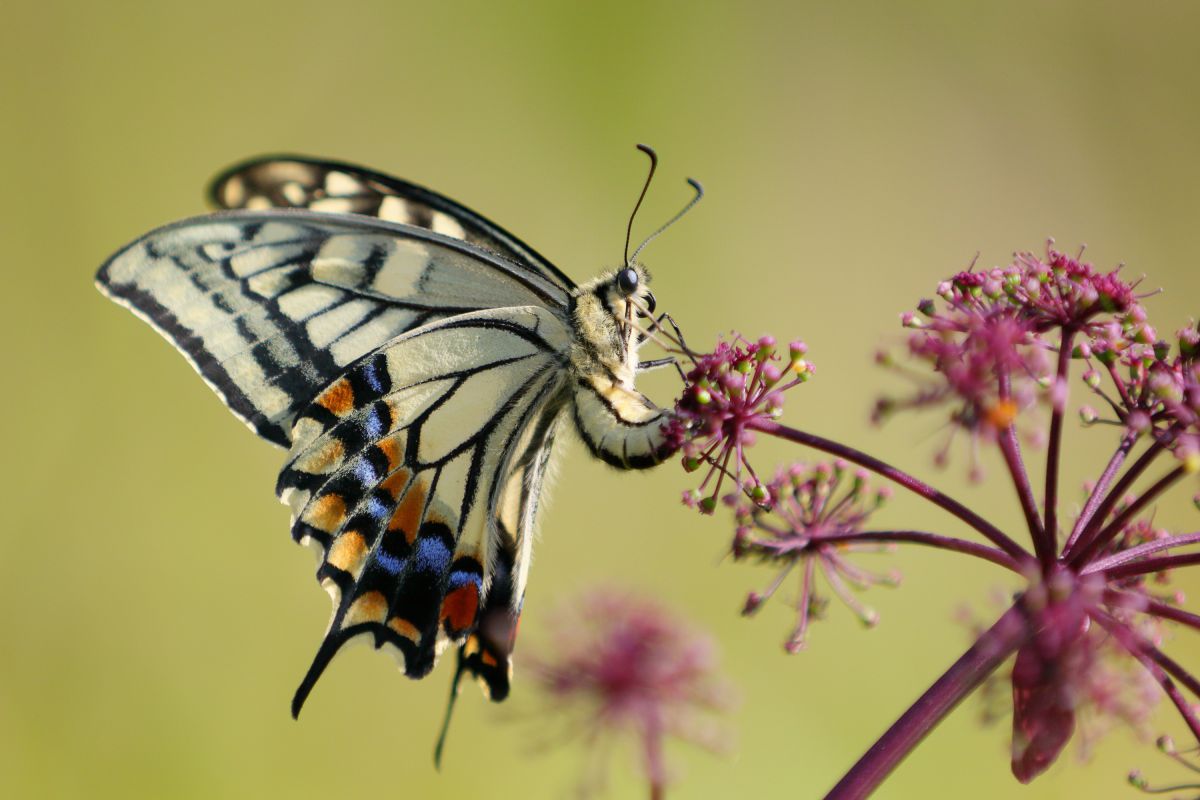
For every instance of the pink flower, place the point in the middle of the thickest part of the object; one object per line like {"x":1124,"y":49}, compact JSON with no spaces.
{"x":813,"y":526}
{"x":619,"y":665}
{"x":725,"y":392}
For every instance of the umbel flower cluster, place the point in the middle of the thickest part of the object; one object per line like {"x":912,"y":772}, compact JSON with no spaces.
{"x":998,"y":352}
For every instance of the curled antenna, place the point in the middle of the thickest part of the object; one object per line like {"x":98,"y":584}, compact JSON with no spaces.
{"x":648,"y":150}
{"x":695,"y":184}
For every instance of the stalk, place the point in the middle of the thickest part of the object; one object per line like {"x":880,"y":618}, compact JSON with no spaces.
{"x":964,"y":676}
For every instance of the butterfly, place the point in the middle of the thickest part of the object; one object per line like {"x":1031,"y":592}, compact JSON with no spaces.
{"x":417,"y":361}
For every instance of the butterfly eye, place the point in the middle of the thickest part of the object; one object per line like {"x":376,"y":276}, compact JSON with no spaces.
{"x":627,"y":281}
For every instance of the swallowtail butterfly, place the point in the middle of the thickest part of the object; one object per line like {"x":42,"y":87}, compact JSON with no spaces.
{"x":417,"y":361}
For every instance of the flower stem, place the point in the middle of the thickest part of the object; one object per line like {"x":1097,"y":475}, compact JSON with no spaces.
{"x":1097,"y":495}
{"x":1054,"y":447}
{"x":943,"y":501}
{"x":1151,"y":565}
{"x":1092,"y":526}
{"x":1016,"y":468}
{"x":964,"y":676}
{"x":931,"y":540}
{"x":1114,"y":528}
{"x":1138,"y":551}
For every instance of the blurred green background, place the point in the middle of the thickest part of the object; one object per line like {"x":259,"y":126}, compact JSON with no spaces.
{"x":156,"y":616}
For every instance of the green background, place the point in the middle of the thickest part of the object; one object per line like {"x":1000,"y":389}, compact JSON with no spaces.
{"x":156,"y":616}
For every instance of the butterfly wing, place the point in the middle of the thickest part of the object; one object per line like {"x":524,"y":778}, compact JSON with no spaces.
{"x":400,"y":470}
{"x":270,"y":307}
{"x":336,"y":187}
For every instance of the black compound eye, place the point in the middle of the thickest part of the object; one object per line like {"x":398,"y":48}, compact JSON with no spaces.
{"x":627,"y":281}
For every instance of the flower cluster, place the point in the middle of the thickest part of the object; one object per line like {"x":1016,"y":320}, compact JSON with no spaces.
{"x":1085,"y":633}
{"x":623,"y":665}
{"x":814,"y":523}
{"x":1152,"y":388}
{"x":726,"y":392}
{"x":986,"y":342}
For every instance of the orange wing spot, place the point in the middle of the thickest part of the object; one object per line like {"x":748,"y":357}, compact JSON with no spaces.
{"x":327,"y":513}
{"x":408,"y":514}
{"x":325,"y":459}
{"x":459,"y":607}
{"x":371,"y":607}
{"x":338,"y":398}
{"x":489,"y":659}
{"x":470,"y":646}
{"x":404,"y":628}
{"x":348,"y":552}
{"x":390,"y":446}
{"x":395,"y":483}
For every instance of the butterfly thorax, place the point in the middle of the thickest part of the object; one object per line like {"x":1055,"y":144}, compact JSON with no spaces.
{"x":617,"y":422}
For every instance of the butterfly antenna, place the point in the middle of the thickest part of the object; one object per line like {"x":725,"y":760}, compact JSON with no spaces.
{"x":648,"y":150}
{"x":441,"y":740}
{"x":695,"y":184}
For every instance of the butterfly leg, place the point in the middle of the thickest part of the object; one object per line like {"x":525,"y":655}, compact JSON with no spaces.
{"x":674,"y":326}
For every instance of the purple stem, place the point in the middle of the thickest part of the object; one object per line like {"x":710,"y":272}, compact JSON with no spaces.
{"x":1151,"y":565}
{"x":1016,"y":468}
{"x":943,"y":501}
{"x":1092,"y":527}
{"x":1114,"y":528}
{"x":996,"y":556}
{"x":1054,"y":448}
{"x":1161,"y":609}
{"x":1097,"y":495}
{"x":1133,"y":553}
{"x":989,"y":652}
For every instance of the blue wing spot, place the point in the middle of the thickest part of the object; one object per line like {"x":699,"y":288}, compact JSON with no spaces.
{"x":371,"y":374}
{"x":460,"y":578}
{"x":432,"y":554}
{"x":373,"y":425}
{"x":389,"y":562}
{"x":377,"y":508}
{"x":365,"y":471}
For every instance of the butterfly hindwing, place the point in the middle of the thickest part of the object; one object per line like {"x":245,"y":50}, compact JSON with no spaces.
{"x":288,"y":181}
{"x":396,"y":473}
{"x":270,"y":307}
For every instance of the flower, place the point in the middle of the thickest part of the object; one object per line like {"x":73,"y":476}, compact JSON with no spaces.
{"x":1154,"y":392}
{"x":814,"y":521}
{"x":617,"y":665}
{"x":724,"y":393}
{"x":986,"y":340}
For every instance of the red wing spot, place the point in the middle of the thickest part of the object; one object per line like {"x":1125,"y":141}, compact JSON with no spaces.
{"x":459,"y":608}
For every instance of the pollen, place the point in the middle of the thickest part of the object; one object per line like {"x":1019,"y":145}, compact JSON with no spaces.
{"x":1001,"y":414}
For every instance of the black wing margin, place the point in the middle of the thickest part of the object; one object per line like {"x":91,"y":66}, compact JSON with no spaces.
{"x":291,"y":181}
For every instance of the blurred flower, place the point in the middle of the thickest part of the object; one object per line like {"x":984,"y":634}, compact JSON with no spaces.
{"x":724,"y":393}
{"x":617,"y":665}
{"x":815,"y":515}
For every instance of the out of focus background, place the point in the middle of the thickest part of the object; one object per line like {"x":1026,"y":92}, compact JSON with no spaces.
{"x":156,"y":616}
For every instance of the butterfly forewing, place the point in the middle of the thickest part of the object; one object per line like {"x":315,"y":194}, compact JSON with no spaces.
{"x":271,"y":307}
{"x":335,"y":187}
